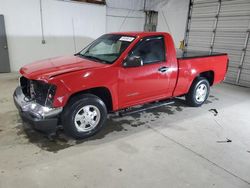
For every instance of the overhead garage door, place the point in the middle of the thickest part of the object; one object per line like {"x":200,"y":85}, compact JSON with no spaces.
{"x":222,"y":26}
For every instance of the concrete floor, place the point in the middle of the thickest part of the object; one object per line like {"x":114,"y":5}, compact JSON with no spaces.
{"x":175,"y":146}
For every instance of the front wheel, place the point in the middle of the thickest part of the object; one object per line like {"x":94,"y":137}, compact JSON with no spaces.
{"x":198,"y":92}
{"x":84,"y":116}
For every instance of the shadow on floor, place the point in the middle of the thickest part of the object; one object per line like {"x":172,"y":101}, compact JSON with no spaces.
{"x":114,"y":124}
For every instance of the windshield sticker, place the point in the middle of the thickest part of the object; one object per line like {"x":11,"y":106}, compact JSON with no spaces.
{"x":128,"y":39}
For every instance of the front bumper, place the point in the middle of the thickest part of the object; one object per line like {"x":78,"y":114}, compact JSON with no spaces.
{"x":40,"y":117}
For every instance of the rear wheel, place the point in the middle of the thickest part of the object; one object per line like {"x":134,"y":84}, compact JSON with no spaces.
{"x":84,"y":116}
{"x":198,"y":92}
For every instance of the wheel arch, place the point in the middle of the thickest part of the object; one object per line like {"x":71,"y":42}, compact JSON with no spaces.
{"x":102,"y":92}
{"x":209,"y":75}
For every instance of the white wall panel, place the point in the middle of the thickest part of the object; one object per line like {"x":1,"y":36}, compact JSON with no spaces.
{"x":172,"y":18}
{"x":125,"y":20}
{"x":64,"y":23}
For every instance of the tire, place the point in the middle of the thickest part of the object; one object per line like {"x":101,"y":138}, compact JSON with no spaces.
{"x":84,"y":116}
{"x":198,"y":92}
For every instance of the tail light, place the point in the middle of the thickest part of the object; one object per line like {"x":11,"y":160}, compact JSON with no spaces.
{"x":227,"y":64}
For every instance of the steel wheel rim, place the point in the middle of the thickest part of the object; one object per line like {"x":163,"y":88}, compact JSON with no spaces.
{"x":87,"y":118}
{"x":201,"y":93}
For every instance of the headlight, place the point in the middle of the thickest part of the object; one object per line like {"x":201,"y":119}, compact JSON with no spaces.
{"x":50,"y":95}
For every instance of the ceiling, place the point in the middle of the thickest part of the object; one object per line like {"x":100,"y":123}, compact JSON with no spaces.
{"x":137,"y":4}
{"x":129,"y":4}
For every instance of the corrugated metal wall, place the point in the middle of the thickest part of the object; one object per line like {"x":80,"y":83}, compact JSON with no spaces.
{"x":222,"y":26}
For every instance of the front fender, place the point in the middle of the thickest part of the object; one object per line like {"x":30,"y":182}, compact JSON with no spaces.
{"x":72,"y":83}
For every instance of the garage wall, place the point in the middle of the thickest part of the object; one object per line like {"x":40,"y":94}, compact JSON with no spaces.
{"x":172,"y":18}
{"x":119,"y":19}
{"x":68,"y":27}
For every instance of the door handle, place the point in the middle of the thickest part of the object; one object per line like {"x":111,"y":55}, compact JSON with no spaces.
{"x":5,"y":47}
{"x":163,"y":69}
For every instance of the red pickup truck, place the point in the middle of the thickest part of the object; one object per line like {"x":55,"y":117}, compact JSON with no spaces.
{"x":113,"y":73}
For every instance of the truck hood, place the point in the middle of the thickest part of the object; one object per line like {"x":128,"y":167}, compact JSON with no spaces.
{"x":45,"y":69}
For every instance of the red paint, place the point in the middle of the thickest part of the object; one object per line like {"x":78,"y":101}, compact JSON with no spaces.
{"x":128,"y":86}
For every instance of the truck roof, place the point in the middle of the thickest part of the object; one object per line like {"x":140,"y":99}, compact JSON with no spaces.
{"x":140,"y":33}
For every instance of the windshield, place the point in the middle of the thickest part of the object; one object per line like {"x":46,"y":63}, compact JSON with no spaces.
{"x":107,"y":48}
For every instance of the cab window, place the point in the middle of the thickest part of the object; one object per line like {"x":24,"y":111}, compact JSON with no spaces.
{"x":150,"y":49}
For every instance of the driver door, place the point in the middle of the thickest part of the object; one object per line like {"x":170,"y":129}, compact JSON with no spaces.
{"x":148,"y":82}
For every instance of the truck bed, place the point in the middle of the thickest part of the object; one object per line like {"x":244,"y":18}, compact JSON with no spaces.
{"x":192,"y":63}
{"x":180,"y":54}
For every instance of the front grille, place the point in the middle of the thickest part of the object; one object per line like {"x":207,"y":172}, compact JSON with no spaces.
{"x":38,"y":91}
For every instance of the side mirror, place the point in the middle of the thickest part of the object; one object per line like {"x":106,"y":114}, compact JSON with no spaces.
{"x":133,"y":61}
